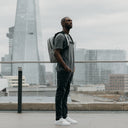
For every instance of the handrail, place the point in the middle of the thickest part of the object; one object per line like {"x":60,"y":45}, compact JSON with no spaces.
{"x":93,"y":61}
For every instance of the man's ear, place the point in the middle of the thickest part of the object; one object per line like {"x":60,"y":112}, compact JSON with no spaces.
{"x":63,"y":24}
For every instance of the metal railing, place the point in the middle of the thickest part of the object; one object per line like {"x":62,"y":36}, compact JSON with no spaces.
{"x":93,"y":61}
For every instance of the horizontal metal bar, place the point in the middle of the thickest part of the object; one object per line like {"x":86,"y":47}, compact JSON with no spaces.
{"x":13,"y":62}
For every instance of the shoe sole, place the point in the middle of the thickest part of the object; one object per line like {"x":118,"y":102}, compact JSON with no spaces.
{"x":62,"y":124}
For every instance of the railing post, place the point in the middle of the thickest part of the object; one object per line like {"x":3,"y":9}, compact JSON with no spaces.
{"x":19,"y":90}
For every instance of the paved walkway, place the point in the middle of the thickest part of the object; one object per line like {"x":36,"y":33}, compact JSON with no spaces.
{"x":44,"y":119}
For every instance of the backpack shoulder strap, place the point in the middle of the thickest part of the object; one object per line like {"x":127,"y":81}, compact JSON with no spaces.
{"x":64,"y":36}
{"x":57,"y":34}
{"x":71,"y":39}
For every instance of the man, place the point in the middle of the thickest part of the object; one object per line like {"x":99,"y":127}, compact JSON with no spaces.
{"x":64,"y":53}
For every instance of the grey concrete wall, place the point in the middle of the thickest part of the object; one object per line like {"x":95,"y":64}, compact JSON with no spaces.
{"x":71,"y":106}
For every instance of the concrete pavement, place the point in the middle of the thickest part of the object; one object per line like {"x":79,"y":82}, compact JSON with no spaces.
{"x":45,"y":119}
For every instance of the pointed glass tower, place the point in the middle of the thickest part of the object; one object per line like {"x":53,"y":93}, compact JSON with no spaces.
{"x":27,"y":44}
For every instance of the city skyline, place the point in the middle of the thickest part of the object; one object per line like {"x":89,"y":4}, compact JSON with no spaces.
{"x":96,"y":24}
{"x":98,"y":73}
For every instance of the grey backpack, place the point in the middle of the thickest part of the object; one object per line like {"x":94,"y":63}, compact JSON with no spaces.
{"x":50,"y":43}
{"x":51,"y":50}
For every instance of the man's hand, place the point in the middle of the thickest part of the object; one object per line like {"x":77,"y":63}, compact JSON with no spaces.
{"x":67,"y":69}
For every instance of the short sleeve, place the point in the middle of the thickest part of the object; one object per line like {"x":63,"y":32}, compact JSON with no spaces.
{"x":59,"y":41}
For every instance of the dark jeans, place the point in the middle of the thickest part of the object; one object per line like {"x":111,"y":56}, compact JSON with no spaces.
{"x":63,"y":88}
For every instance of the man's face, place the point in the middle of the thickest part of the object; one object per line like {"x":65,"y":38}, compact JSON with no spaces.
{"x":68,"y":23}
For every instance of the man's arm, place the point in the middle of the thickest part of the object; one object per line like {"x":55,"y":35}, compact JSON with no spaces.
{"x":60,"y":60}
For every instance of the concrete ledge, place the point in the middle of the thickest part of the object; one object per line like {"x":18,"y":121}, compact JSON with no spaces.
{"x":8,"y":106}
{"x":38,"y":106}
{"x":71,"y":106}
{"x":106,"y":107}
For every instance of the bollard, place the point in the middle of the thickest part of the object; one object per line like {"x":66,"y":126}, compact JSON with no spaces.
{"x":19,"y":90}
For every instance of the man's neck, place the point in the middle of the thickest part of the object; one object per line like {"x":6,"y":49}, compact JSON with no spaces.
{"x":66,"y":30}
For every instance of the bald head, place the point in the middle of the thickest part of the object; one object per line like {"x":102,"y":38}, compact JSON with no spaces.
{"x":63,"y":20}
{"x":66,"y":22}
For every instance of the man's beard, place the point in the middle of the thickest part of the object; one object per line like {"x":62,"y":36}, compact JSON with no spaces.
{"x":68,"y":27}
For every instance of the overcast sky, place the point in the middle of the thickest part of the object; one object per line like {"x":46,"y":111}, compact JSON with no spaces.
{"x":97,"y":24}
